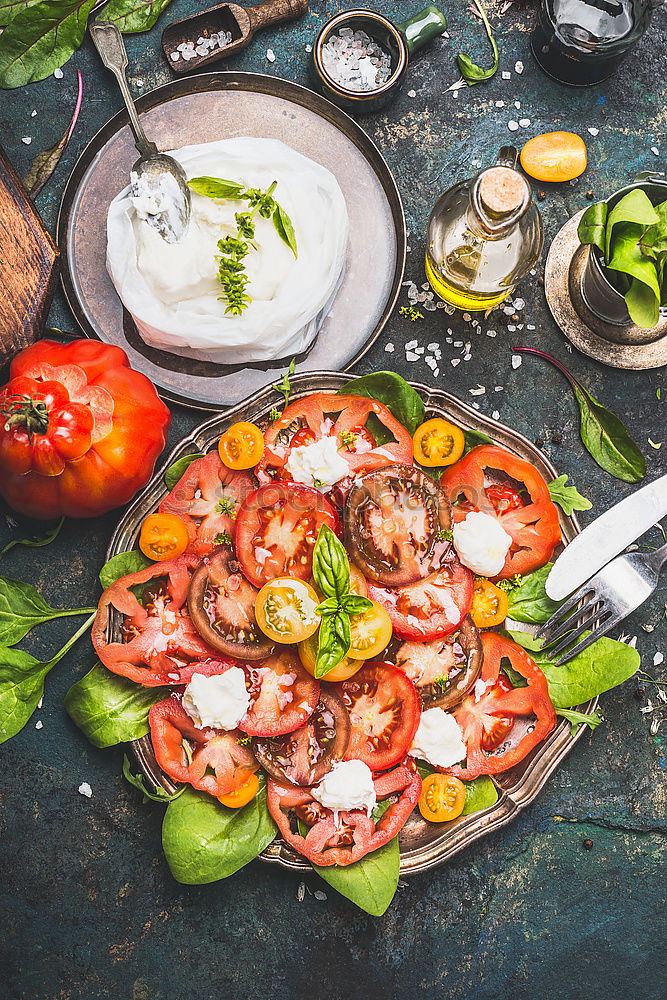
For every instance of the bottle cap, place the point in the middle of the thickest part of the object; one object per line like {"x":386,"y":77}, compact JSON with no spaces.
{"x":502,"y":191}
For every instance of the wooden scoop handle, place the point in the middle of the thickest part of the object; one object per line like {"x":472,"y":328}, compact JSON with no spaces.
{"x":274,"y":12}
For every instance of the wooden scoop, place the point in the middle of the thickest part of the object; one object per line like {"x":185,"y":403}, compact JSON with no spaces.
{"x":240,"y":22}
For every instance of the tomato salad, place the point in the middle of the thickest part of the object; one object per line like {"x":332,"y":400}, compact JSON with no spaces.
{"x":321,"y":605}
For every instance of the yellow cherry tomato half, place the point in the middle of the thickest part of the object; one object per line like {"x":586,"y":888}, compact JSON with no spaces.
{"x":285,"y":610}
{"x":554,"y":156}
{"x":163,"y":536}
{"x":442,"y":798}
{"x":242,"y":795}
{"x":369,"y":633}
{"x":437,"y":442}
{"x":357,"y":582}
{"x":308,"y":655}
{"x":241,"y":446}
{"x":489,"y":604}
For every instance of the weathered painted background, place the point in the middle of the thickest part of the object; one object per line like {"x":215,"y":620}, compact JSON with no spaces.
{"x":89,"y":910}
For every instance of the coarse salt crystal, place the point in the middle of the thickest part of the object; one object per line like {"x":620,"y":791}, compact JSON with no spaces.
{"x":658,"y":659}
{"x":27,"y":140}
{"x":479,"y":391}
{"x":411,"y":344}
{"x":33,"y":114}
{"x":412,"y":93}
{"x":455,"y":361}
{"x":411,"y":356}
{"x":518,"y":67}
{"x":39,"y":724}
{"x":174,"y":56}
{"x":512,"y":126}
{"x":496,"y":414}
{"x":505,"y":75}
{"x":270,"y":55}
{"x":655,"y":150}
{"x":58,"y":73}
{"x":309,"y":48}
{"x":593,"y":131}
{"x":524,"y":122}
{"x":500,"y":104}
{"x":85,"y":789}
{"x":516,"y":361}
{"x":389,"y":348}
{"x":517,"y":104}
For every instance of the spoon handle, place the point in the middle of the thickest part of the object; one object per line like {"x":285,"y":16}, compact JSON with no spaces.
{"x":109,"y":43}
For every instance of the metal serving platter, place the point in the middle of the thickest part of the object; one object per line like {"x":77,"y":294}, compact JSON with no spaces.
{"x":423,"y":845}
{"x":215,"y":106}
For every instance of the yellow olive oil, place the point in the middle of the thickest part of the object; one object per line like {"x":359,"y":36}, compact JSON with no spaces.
{"x":461,"y":298}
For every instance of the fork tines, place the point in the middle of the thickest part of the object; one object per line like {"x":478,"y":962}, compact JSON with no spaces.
{"x":584,"y":610}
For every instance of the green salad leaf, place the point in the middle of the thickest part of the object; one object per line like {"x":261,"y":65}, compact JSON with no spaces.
{"x":567,"y":497}
{"x":22,"y":607}
{"x":37,"y":541}
{"x":40,"y":39}
{"x":528,"y":602}
{"x":10,"y":8}
{"x":109,"y":709}
{"x":634,"y":208}
{"x":178,"y":468}
{"x":473,"y":439}
{"x":204,"y":841}
{"x":577,"y":719}
{"x":592,"y":225}
{"x":122,"y":564}
{"x":470,"y":71}
{"x":131,"y":16}
{"x":370,"y":883}
{"x":388,"y":388}
{"x":159,"y":794}
{"x":481,"y":793}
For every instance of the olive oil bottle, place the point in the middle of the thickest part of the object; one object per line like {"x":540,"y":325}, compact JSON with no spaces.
{"x":484,"y":235}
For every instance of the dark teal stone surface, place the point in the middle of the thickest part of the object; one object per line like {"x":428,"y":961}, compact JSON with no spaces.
{"x":88,"y":908}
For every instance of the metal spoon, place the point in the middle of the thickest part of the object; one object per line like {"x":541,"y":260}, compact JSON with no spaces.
{"x":166,"y":211}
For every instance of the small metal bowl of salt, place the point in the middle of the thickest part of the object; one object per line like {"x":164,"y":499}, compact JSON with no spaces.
{"x":360,"y":57}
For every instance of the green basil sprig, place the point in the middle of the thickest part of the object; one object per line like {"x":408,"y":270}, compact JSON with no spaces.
{"x":470,"y":71}
{"x":603,"y":434}
{"x":390,"y":389}
{"x":567,"y":497}
{"x":331,"y":572}
{"x":22,"y":607}
{"x":109,"y":709}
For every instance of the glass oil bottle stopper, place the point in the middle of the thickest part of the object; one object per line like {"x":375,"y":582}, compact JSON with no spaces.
{"x":484,"y":235}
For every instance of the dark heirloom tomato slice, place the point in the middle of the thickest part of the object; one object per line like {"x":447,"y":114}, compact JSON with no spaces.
{"x":208,"y":759}
{"x":304,"y":756}
{"x":276,"y":531}
{"x":430,"y":608}
{"x":207,"y":497}
{"x":505,"y":723}
{"x":443,"y":670}
{"x":349,"y":836}
{"x":284,"y":695}
{"x":329,"y":415}
{"x":384,"y":709}
{"x":496,"y":482}
{"x":394,"y":524}
{"x":222,"y":607}
{"x":159,"y":637}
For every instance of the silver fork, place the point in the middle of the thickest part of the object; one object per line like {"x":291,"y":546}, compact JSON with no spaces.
{"x":602,"y":602}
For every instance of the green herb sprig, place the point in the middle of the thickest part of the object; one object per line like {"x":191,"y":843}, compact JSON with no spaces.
{"x":470,"y":71}
{"x":567,"y":497}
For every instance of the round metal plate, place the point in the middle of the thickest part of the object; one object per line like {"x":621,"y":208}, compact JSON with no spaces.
{"x":222,"y":105}
{"x":423,"y":845}
{"x":562,"y":274}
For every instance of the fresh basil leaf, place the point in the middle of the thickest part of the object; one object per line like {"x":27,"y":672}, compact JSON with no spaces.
{"x":204,"y":841}
{"x":636,"y":208}
{"x":122,"y":564}
{"x":131,"y":16}
{"x":334,"y":642}
{"x":284,"y":228}
{"x":37,"y":541}
{"x":40,"y":39}
{"x":567,"y":497}
{"x":137,"y":781}
{"x":109,"y":709}
{"x":22,"y":683}
{"x":21,"y":608}
{"x":388,"y":388}
{"x":178,"y":468}
{"x":481,"y":793}
{"x":577,"y":719}
{"x":370,"y":883}
{"x":331,"y":567}
{"x":592,"y":225}
{"x":355,"y":605}
{"x":529,"y":601}
{"x":470,"y":71}
{"x":216,"y":187}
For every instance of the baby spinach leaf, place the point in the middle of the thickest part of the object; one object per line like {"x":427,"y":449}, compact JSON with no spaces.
{"x":577,"y":719}
{"x":473,"y":439}
{"x":37,"y":541}
{"x":179,"y":468}
{"x":470,"y":71}
{"x":388,"y":388}
{"x":654,"y":240}
{"x":480,"y":794}
{"x":40,"y":39}
{"x":592,"y":225}
{"x":529,"y":601}
{"x":22,"y":683}
{"x":121,"y":564}
{"x":21,"y":608}
{"x":204,"y":841}
{"x":131,"y":16}
{"x":370,"y":883}
{"x":643,"y":296}
{"x":109,"y":709}
{"x":217,"y":187}
{"x":138,"y":781}
{"x":567,"y":497}
{"x":284,"y":228}
{"x":603,"y":434}
{"x":636,"y":208}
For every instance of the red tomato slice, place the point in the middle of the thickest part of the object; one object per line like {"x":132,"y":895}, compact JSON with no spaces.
{"x":430,"y":608}
{"x":215,"y":761}
{"x":276,"y":531}
{"x":505,"y":723}
{"x":328,"y":415}
{"x":384,"y":708}
{"x":207,"y":497}
{"x":284,"y":695}
{"x":533,"y":524}
{"x":159,"y":638}
{"x":349,"y":836}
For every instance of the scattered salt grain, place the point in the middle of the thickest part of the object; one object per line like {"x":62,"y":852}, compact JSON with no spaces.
{"x":505,"y":75}
{"x":496,"y":414}
{"x":40,"y":702}
{"x":593,"y":131}
{"x":655,"y":726}
{"x":411,"y":344}
{"x":512,"y":126}
{"x":411,"y":356}
{"x":658,"y":659}
{"x":517,"y":104}
{"x":39,"y":724}
{"x":309,"y":48}
{"x":498,"y":388}
{"x":321,"y":896}
{"x":270,"y":55}
{"x":516,"y":361}
{"x":518,"y":67}
{"x":27,"y":140}
{"x":412,"y":93}
{"x":58,"y":73}
{"x":500,"y":104}
{"x":491,"y":333}
{"x":33,"y":114}
{"x":524,"y":122}
{"x":174,"y":56}
{"x":389,"y":348}
{"x":436,"y":372}
{"x":655,"y":150}
{"x":479,"y":391}
{"x":455,"y":361}
{"x":85,"y":789}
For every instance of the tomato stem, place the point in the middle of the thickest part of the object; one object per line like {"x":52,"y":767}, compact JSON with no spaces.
{"x":27,"y":413}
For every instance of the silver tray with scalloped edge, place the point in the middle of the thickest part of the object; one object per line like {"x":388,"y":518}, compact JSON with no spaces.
{"x":423,"y":845}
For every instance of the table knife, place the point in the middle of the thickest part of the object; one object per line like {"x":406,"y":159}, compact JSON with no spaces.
{"x":610,"y":534}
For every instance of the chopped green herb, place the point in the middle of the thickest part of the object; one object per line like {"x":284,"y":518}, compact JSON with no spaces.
{"x":440,"y":683}
{"x":567,"y":497}
{"x":285,"y":386}
{"x":409,"y":312}
{"x":227,"y":506}
{"x":348,"y":438}
{"x":509,"y":585}
{"x":222,"y":538}
{"x":655,"y":444}
{"x":658,"y":394}
{"x":274,"y":414}
{"x":244,"y":741}
{"x":445,"y":535}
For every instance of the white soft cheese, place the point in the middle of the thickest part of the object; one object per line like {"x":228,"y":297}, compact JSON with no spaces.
{"x":438,"y":739}
{"x":156,"y":196}
{"x":317,"y":464}
{"x":348,"y":785}
{"x":219,"y":701}
{"x":481,"y":543}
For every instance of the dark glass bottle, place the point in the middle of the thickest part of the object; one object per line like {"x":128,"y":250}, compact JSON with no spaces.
{"x":582,"y":42}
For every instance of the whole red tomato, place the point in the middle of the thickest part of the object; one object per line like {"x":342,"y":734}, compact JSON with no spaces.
{"x":80,"y":430}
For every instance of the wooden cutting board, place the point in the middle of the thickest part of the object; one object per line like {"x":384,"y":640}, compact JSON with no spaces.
{"x":28,"y":266}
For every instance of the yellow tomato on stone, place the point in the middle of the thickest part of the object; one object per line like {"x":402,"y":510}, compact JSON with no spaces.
{"x":554,"y":156}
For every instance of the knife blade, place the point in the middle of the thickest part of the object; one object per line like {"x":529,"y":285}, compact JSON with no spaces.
{"x":608,"y":535}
